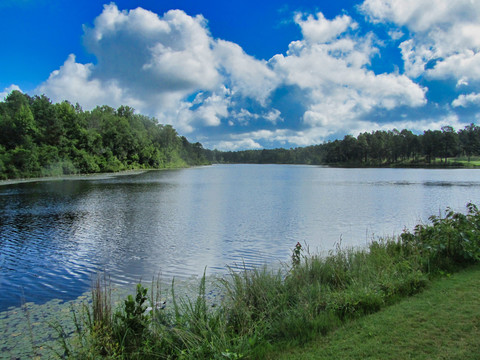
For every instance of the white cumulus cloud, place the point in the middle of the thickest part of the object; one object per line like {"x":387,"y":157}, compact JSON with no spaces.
{"x":209,"y":112}
{"x":320,"y":30}
{"x":144,"y":61}
{"x":444,"y":41}
{"x":466,"y":100}
{"x":338,"y":84}
{"x":273,"y":116}
{"x":171,"y":67}
{"x":233,"y":145}
{"x":73,"y":81}
{"x":245,"y":74}
{"x":156,"y":64}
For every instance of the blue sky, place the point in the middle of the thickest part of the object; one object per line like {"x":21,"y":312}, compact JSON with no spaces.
{"x":253,"y":74}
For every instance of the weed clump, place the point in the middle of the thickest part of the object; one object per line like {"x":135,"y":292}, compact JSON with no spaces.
{"x":262,"y":308}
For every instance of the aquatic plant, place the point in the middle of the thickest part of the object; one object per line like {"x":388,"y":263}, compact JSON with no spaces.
{"x":449,"y":241}
{"x":296,"y":254}
{"x":262,"y":308}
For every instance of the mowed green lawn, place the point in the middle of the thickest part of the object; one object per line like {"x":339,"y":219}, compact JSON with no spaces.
{"x":470,"y":163}
{"x":442,"y":322}
{"x":474,"y":161}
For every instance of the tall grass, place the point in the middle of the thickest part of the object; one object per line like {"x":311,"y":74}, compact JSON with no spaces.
{"x":262,"y":308}
{"x":319,"y":293}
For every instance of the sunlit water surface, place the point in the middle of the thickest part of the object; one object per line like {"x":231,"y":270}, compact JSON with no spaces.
{"x":55,"y":235}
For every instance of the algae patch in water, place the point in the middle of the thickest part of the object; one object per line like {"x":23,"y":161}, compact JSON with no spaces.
{"x":27,"y":332}
{"x":31,"y":330}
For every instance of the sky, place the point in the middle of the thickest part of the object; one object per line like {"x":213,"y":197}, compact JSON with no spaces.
{"x":238,"y":75}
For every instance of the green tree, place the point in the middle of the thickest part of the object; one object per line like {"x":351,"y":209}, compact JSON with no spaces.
{"x":15,"y":100}
{"x":363,"y":147}
{"x":469,"y":139}
{"x":51,"y":129}
{"x":24,"y":162}
{"x":3,"y":168}
{"x":449,"y":142}
{"x":25,"y":127}
{"x":377,"y":145}
{"x":410,"y":144}
{"x":432,"y":144}
{"x":349,"y":149}
{"x":72,"y":123}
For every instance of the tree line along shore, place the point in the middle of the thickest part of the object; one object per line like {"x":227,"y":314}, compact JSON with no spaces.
{"x":39,"y":138}
{"x":433,"y":148}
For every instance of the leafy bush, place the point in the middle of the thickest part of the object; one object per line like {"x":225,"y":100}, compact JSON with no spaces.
{"x":448,"y":241}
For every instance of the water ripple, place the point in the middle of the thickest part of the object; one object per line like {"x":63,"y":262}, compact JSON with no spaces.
{"x":56,"y":236}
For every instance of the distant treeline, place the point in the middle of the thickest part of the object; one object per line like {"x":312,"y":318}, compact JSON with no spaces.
{"x":39,"y":138}
{"x":378,"y":148}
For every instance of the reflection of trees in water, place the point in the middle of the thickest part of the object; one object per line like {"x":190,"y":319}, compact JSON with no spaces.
{"x":55,"y":235}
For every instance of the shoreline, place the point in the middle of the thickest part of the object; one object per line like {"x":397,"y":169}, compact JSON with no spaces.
{"x":107,"y":175}
{"x":368,"y":166}
{"x":350,"y":284}
{"x":93,"y":176}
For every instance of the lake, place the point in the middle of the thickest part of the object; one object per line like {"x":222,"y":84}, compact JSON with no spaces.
{"x":56,"y":235}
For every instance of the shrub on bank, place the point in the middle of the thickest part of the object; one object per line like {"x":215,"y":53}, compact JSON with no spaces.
{"x":262,"y":308}
{"x":448,"y":241}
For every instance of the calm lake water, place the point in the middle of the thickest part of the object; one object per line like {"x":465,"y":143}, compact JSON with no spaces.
{"x":55,"y":235}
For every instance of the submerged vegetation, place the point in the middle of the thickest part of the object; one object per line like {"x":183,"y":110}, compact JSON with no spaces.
{"x":264,"y":310}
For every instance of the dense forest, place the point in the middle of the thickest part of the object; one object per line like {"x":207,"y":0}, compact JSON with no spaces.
{"x":39,"y":138}
{"x":378,"y":148}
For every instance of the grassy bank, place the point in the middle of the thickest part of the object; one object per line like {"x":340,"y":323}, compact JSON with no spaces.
{"x":421,"y":163}
{"x":442,"y":322}
{"x":265,"y":311}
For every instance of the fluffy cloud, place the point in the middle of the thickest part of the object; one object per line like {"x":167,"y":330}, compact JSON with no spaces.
{"x":245,"y":117}
{"x":205,"y":110}
{"x":332,"y":68}
{"x":155,"y":64}
{"x":73,"y":81}
{"x":466,"y":100}
{"x":462,"y":66}
{"x":245,"y":74}
{"x":273,"y":116}
{"x":242,"y":117}
{"x":444,"y":42}
{"x":148,"y":53}
{"x":8,"y":90}
{"x":247,"y":143}
{"x":269,"y":138}
{"x":427,"y":123}
{"x":171,"y":67}
{"x":320,"y":30}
